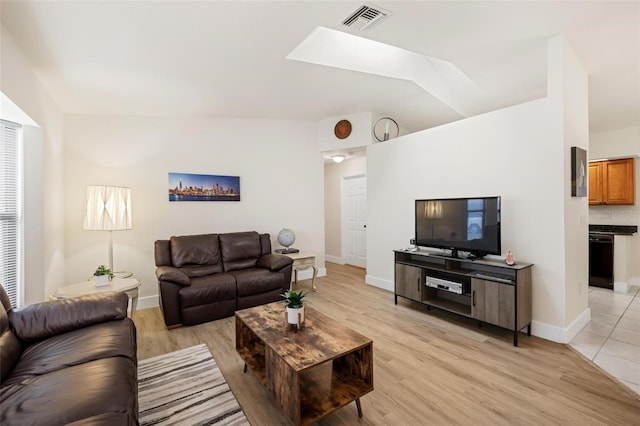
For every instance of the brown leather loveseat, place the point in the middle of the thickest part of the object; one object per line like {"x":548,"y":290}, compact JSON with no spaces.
{"x":207,"y":277}
{"x":68,"y":361}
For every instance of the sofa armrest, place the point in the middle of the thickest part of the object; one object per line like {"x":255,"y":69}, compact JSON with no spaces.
{"x":274,"y":262}
{"x":175,"y":275}
{"x":43,"y":320}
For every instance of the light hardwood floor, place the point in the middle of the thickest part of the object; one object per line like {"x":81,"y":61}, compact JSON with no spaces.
{"x":429,"y":367}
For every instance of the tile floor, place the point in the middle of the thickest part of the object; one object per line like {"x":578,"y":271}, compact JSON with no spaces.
{"x":612,"y":338}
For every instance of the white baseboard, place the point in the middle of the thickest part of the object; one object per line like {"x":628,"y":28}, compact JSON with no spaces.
{"x":334,"y":259}
{"x":307,"y":274}
{"x":558,"y":334}
{"x":379,"y":282}
{"x":148,"y":302}
{"x":620,"y":287}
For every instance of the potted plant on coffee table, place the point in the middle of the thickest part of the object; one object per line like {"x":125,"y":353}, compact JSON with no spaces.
{"x":295,"y":307}
{"x":102,"y":275}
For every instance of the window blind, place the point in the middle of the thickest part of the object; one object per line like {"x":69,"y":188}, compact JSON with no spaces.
{"x":10,"y":209}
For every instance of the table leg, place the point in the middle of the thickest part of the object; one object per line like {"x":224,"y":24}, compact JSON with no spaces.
{"x":359,"y":407}
{"x":134,"y":304}
{"x":245,"y":368}
{"x":133,"y":295}
{"x":294,"y":279}
{"x":313,"y":278}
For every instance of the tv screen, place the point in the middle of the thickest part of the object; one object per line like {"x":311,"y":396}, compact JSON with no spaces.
{"x":459,"y":224}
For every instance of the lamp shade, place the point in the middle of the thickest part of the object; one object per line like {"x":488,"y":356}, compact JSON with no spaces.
{"x":108,"y":208}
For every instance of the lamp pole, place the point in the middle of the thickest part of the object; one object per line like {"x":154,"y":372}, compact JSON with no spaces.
{"x":111,"y":251}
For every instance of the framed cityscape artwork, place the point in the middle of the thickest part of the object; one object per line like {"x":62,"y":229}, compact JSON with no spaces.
{"x":193,"y":187}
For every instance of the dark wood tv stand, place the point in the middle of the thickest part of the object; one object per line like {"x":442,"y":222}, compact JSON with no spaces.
{"x":490,"y":291}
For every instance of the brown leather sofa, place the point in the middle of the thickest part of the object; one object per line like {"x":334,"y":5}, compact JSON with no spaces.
{"x":69,"y":361}
{"x":207,"y":277}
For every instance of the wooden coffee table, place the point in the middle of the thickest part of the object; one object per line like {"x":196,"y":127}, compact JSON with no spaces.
{"x":311,"y":372}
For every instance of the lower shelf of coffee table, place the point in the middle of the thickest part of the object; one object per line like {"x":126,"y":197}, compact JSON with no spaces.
{"x":255,"y":360}
{"x":326,"y":388}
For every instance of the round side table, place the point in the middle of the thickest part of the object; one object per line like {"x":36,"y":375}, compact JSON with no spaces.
{"x":129,"y":286}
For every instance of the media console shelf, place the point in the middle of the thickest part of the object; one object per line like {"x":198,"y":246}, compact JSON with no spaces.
{"x":486,"y":290}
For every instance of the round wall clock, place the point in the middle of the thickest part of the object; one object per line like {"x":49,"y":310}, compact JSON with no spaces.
{"x":342,"y":129}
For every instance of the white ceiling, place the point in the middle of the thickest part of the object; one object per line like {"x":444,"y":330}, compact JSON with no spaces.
{"x":228,"y":58}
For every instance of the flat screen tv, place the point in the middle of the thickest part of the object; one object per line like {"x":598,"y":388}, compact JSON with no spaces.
{"x":469,"y":225}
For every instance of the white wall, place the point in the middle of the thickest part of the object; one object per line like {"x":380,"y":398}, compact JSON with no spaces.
{"x":333,"y":177}
{"x":572,"y":90}
{"x":43,"y":169}
{"x":278,"y":162}
{"x":620,"y":143}
{"x":515,"y":153}
{"x":518,"y":153}
{"x":616,"y":143}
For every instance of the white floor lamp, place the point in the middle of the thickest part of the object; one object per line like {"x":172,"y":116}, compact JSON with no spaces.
{"x":108,"y":209}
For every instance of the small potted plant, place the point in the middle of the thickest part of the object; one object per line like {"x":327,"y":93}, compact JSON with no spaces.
{"x":102,"y":275}
{"x":293,"y":299}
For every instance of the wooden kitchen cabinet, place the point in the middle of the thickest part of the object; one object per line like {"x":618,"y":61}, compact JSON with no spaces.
{"x":612,"y":182}
{"x":595,"y":182}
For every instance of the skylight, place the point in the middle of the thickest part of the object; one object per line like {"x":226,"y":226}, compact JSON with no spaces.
{"x":440,"y":78}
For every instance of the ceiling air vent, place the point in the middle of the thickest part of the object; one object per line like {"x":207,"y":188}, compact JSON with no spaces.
{"x":365,"y":17}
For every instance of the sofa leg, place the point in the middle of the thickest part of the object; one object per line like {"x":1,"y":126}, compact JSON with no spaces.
{"x":171,"y":327}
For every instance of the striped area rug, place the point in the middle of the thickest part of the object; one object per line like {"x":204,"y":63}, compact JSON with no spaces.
{"x":186,"y":387}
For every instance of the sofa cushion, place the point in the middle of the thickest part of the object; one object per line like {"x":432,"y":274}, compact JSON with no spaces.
{"x":265,"y":243}
{"x":209,"y":289}
{"x":10,"y":351}
{"x":201,"y":271}
{"x":195,"y":250}
{"x":274,"y":262}
{"x":42,"y":320}
{"x":256,"y":281}
{"x":162,"y":252}
{"x":240,"y":250}
{"x":173,"y":275}
{"x":73,"y":393}
{"x":208,"y":312}
{"x":260,"y":299}
{"x":10,"y":347}
{"x":108,"y":339}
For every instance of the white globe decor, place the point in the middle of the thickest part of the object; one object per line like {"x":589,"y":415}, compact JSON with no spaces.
{"x":286,"y":238}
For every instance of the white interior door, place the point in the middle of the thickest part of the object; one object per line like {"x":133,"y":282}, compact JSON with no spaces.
{"x":354,"y":220}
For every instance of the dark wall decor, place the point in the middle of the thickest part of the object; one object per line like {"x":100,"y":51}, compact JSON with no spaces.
{"x":342,"y":130}
{"x":579,"y":169}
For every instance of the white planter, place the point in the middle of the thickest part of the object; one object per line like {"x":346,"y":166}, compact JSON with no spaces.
{"x":292,"y":315}
{"x":101,"y":280}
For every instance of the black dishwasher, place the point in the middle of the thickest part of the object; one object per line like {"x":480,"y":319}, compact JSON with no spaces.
{"x":601,"y":260}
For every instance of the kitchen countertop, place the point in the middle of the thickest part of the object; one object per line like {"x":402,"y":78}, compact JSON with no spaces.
{"x":613,"y":229}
